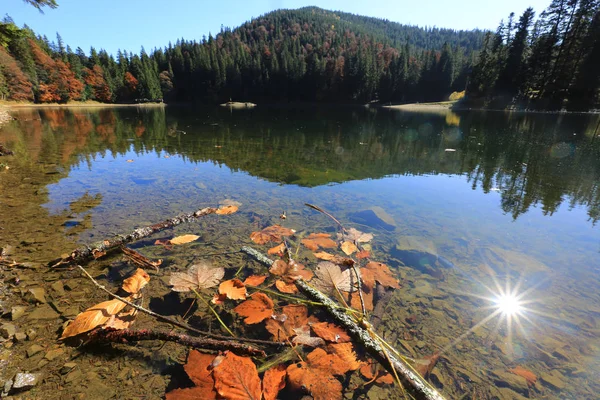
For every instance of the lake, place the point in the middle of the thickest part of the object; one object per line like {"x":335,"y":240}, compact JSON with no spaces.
{"x":467,"y":208}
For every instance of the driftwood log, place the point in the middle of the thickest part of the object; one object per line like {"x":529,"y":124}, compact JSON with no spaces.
{"x":412,"y":382}
{"x":109,"y":335}
{"x":84,"y":254}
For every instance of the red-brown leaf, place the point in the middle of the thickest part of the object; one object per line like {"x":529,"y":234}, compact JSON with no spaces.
{"x":255,"y":280}
{"x":257,"y":309}
{"x":234,"y":289}
{"x":273,"y":381}
{"x":236,"y":378}
{"x":330,"y":332}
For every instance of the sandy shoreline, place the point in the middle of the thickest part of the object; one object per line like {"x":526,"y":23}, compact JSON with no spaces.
{"x":423,"y":106}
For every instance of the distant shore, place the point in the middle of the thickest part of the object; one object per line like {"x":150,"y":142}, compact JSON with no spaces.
{"x":439,"y":106}
{"x":444,"y":106}
{"x":84,"y":104}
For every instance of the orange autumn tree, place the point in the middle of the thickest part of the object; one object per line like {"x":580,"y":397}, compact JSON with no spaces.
{"x":58,"y":83}
{"x":95,"y":79}
{"x":17,"y":84}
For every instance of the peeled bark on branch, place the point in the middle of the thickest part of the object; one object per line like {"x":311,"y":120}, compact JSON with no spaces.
{"x":99,"y":249}
{"x":110,"y":335}
{"x":412,"y":382}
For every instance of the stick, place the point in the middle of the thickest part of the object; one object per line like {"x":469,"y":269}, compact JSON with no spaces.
{"x":416,"y":385}
{"x":110,"y":335}
{"x":173,"y":321}
{"x":99,"y":249}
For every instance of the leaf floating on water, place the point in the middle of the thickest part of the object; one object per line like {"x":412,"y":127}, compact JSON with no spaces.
{"x":273,"y":382}
{"x":331,"y":277}
{"x":254,"y":280}
{"x":345,"y":352}
{"x":218,"y":299}
{"x":354,"y":300}
{"x":316,"y":240}
{"x":357,"y":236}
{"x":184,"y":239}
{"x":93,"y":317}
{"x":424,"y":366}
{"x":136,"y":282}
{"x":236,"y":378}
{"x":529,"y":376}
{"x":226,"y":210}
{"x":198,"y":276}
{"x":372,"y":372}
{"x":234,"y":289}
{"x":257,"y":309}
{"x":330,"y":332}
{"x":348,"y":247}
{"x":273,"y":233}
{"x":279,"y":249}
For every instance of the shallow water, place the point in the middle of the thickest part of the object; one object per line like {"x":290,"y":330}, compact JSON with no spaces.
{"x":461,"y":204}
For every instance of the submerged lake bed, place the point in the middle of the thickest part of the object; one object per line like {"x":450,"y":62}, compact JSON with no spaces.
{"x":469,"y":209}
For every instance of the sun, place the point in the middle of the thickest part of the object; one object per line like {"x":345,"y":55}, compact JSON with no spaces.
{"x":508,"y":304}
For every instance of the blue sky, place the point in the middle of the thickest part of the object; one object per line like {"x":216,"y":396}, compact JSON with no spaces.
{"x":130,"y":24}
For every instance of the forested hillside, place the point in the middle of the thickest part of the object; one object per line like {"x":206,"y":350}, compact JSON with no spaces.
{"x":308,"y":54}
{"x":314,"y":55}
{"x":549,"y":63}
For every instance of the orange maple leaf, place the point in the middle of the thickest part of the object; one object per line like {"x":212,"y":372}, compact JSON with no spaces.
{"x":273,"y":233}
{"x":254,"y":280}
{"x":199,"y":369}
{"x":236,"y":378}
{"x":257,"y":309}
{"x":316,"y":240}
{"x":330,"y":332}
{"x":234,"y":289}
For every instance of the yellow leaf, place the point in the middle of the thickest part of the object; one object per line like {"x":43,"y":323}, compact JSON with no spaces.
{"x":184,"y":239}
{"x":348,"y":247}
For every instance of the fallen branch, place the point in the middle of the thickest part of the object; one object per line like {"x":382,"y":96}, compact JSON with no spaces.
{"x":5,"y":152}
{"x":174,"y":322}
{"x":414,"y":384}
{"x":110,"y":335}
{"x":86,"y":253}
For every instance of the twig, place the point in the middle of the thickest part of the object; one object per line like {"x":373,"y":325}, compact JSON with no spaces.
{"x":173,"y":321}
{"x":319,"y":209}
{"x":110,"y":335}
{"x":99,"y":249}
{"x":416,"y":385}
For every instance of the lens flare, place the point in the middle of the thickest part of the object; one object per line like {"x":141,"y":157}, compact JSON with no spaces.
{"x":508,"y":304}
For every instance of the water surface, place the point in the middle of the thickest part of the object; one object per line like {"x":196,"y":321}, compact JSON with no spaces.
{"x":461,"y":205}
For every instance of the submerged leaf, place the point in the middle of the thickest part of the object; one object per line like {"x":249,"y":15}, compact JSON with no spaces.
{"x":257,"y":309}
{"x":292,"y":316}
{"x":236,"y":378}
{"x":226,"y":210}
{"x":279,"y":249}
{"x":525,"y":373}
{"x":93,"y":317}
{"x":348,"y":247}
{"x":198,"y":276}
{"x":198,"y":369}
{"x":376,"y":271}
{"x":330,"y":332}
{"x":273,"y":381}
{"x":357,"y":236}
{"x":184,"y":239}
{"x":254,"y":280}
{"x":122,"y":320}
{"x":273,"y":233}
{"x":334,"y":258}
{"x":284,"y":287}
{"x":303,"y":337}
{"x":316,"y":240}
{"x":290,"y":271}
{"x":234,"y":289}
{"x":136,"y":282}
{"x":330,"y":277}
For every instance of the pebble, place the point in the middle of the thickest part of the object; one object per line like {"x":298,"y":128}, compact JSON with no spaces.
{"x":38,"y":294}
{"x":33,"y":350}
{"x":555,"y":380}
{"x":43,"y":312}
{"x":20,"y":336}
{"x":59,"y":288}
{"x":31,"y":334}
{"x":67,"y":367}
{"x":514,"y":382}
{"x":52,"y":354}
{"x":7,"y":331}
{"x":26,"y":380}
{"x":17,"y":312}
